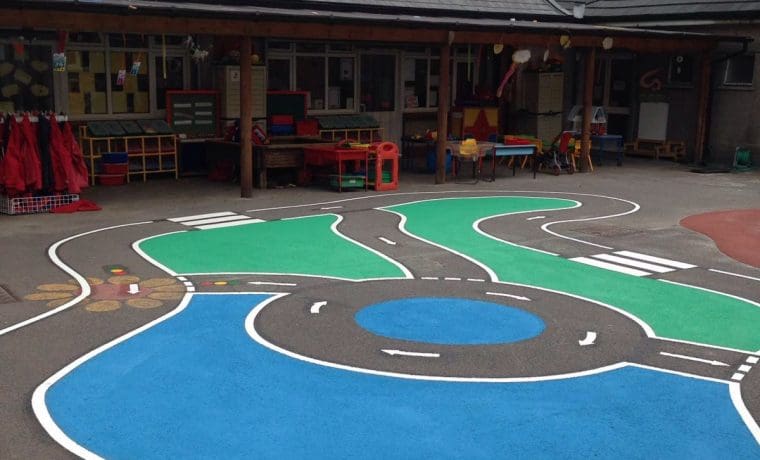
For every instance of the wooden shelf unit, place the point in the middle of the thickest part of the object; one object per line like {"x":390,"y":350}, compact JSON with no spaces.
{"x":147,"y":154}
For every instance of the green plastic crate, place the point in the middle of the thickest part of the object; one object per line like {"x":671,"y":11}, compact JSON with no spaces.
{"x":347,"y":181}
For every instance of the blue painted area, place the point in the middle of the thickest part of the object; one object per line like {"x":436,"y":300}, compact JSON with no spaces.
{"x":447,"y":320}
{"x":196,"y":386}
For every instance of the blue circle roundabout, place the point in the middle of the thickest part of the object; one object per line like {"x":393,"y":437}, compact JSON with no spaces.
{"x":449,"y":321}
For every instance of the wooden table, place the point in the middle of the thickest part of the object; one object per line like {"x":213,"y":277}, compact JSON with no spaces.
{"x":507,"y":150}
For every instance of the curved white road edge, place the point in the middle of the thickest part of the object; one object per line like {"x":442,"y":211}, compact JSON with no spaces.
{"x":83,"y":284}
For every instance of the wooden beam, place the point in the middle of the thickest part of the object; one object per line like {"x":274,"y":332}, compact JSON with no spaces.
{"x":443,"y":114}
{"x":246,"y":119}
{"x":360,"y":31}
{"x":588,"y":102}
{"x":703,"y":115}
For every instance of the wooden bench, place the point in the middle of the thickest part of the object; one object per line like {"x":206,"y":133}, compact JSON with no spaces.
{"x":644,"y":147}
{"x":672,"y":149}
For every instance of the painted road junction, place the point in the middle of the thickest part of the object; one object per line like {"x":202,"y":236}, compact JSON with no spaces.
{"x":673,"y":311}
{"x":602,"y":414}
{"x":198,"y":386}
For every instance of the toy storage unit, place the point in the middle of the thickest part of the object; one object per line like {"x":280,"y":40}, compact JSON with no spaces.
{"x":382,"y":166}
{"x":543,"y":101}
{"x":113,"y":160}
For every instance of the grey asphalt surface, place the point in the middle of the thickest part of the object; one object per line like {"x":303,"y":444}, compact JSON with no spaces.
{"x":667,"y":192}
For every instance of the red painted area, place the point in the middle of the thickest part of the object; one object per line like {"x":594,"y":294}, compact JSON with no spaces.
{"x":736,"y":233}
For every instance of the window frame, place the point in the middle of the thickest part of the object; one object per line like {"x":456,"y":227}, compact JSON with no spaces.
{"x":429,"y":57}
{"x":739,"y":85}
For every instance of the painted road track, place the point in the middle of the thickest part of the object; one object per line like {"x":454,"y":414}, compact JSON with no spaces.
{"x":600,"y":362}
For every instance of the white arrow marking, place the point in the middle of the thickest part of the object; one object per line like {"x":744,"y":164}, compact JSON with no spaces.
{"x":692,"y":358}
{"x":316,"y":306}
{"x":386,"y":241}
{"x":512,"y":296}
{"x":134,"y":288}
{"x":258,"y":283}
{"x":536,"y":217}
{"x":411,"y":353}
{"x":589,"y":339}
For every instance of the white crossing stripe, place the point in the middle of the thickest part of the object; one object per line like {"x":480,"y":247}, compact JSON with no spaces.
{"x":752,"y":359}
{"x":633,"y":263}
{"x":215,"y":220}
{"x":229,"y":224}
{"x":737,"y":376}
{"x":744,"y":368}
{"x":609,"y":266}
{"x":201,"y":216}
{"x":655,"y":260}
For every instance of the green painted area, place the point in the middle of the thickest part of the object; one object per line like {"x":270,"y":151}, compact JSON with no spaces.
{"x":304,"y":246}
{"x":673,"y":311}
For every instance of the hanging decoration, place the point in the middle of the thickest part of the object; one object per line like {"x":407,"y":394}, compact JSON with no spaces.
{"x":196,"y":52}
{"x":564,"y":41}
{"x":518,"y":57}
{"x":135,"y":69}
{"x":59,"y":56}
{"x":607,"y":43}
{"x":121,"y":76}
{"x":498,"y":48}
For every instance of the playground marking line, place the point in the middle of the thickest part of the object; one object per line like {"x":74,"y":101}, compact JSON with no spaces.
{"x":656,"y":260}
{"x":734,"y":274}
{"x":714,"y":292}
{"x":230,"y":224}
{"x":81,"y":281}
{"x":610,"y":266}
{"x":734,"y":389}
{"x":633,"y":263}
{"x":151,"y":260}
{"x":251,"y":330}
{"x":214,"y":220}
{"x":200,"y":216}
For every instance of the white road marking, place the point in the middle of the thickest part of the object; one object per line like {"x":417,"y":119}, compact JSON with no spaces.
{"x":737,"y":376}
{"x":386,"y":240}
{"x":190,"y":289}
{"x":269,"y":283}
{"x":81,"y":281}
{"x":133,"y":288}
{"x":477,"y":280}
{"x":411,"y":353}
{"x":588,"y":340}
{"x":430,"y":278}
{"x":609,"y":266}
{"x":316,"y":306}
{"x":188,"y":283}
{"x":745,"y":368}
{"x":711,"y":362}
{"x":182,"y":278}
{"x":201,"y":216}
{"x":331,"y":207}
{"x":452,"y":278}
{"x":230,"y":224}
{"x":752,"y":359}
{"x":536,"y":217}
{"x":511,"y":296}
{"x":215,"y":220}
{"x":633,"y":263}
{"x":656,"y":260}
{"x":734,"y":274}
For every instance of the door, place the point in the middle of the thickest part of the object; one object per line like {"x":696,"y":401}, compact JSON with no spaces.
{"x":614,"y":89}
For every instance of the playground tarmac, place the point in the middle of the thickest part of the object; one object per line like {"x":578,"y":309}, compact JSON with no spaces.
{"x":517,"y":242}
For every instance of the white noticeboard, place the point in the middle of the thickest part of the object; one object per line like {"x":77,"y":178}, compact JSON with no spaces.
{"x":653,"y":121}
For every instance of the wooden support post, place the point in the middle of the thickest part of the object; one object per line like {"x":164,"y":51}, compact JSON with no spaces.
{"x":246,"y":123}
{"x":588,"y":102}
{"x":703,"y":109}
{"x":443,"y":115}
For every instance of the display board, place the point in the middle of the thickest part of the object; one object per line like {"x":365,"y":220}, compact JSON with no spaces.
{"x":193,"y":113}
{"x":287,"y":103}
{"x":653,"y":121}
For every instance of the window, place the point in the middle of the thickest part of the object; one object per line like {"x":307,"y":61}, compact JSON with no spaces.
{"x":174,"y":79}
{"x":278,"y":74}
{"x":310,"y":76}
{"x":87,"y":86}
{"x":340,"y":80}
{"x":325,"y":71}
{"x":130,"y":89}
{"x":26,"y":79}
{"x":740,"y":70}
{"x":378,"y":82}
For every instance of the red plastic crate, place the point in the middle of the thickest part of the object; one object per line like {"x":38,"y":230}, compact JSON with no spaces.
{"x":115,"y":168}
{"x":112,"y":179}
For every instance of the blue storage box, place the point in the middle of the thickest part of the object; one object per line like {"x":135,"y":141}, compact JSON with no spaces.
{"x":114,"y":157}
{"x":282,"y":130}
